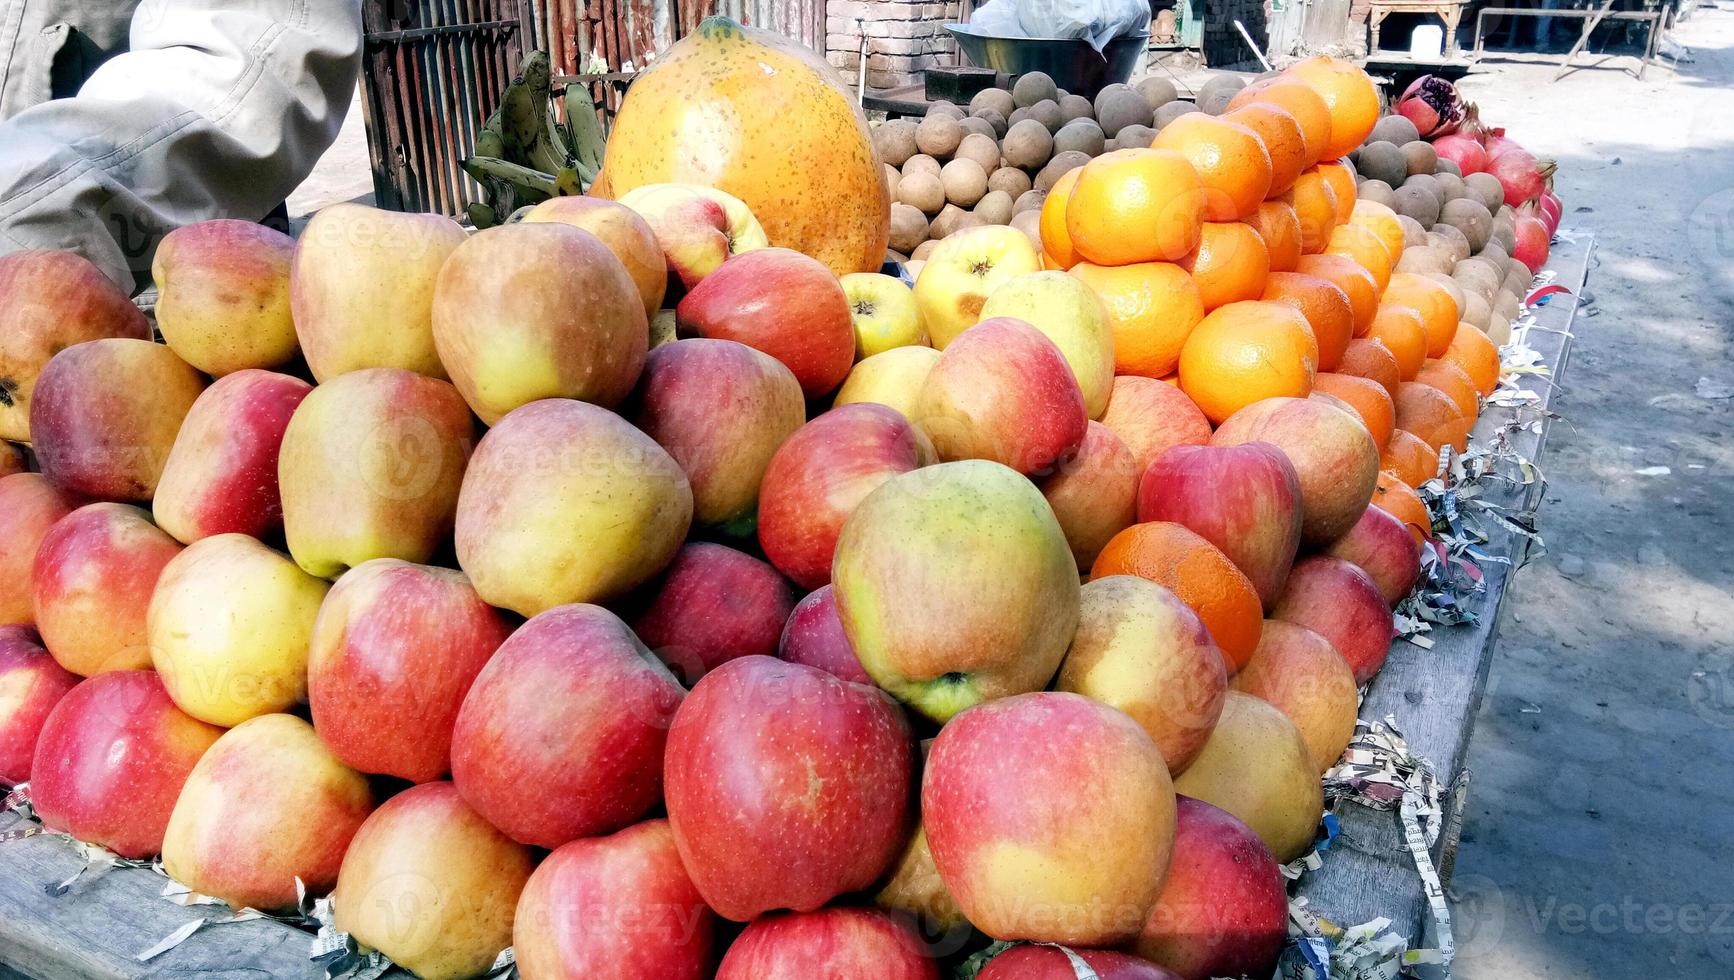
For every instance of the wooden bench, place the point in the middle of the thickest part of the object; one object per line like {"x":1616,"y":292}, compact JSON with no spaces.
{"x":95,"y":930}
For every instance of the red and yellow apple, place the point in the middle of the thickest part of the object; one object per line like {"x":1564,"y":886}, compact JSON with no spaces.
{"x":963,"y":271}
{"x":268,"y":808}
{"x":955,"y":586}
{"x":221,"y":476}
{"x":111,"y":760}
{"x":230,"y":624}
{"x":623,"y":230}
{"x":1070,"y":314}
{"x":523,"y":312}
{"x":430,"y":884}
{"x":1150,"y":416}
{"x":1256,"y":766}
{"x":1000,"y":803}
{"x":95,"y":572}
{"x":562,"y":734}
{"x":786,"y":786}
{"x":49,"y":301}
{"x":361,"y":289}
{"x":1002,"y":391}
{"x":1341,"y":603}
{"x":29,"y":506}
{"x":394,"y":649}
{"x":721,"y":409}
{"x":1299,"y":673}
{"x":821,"y":473}
{"x":370,"y":467}
{"x":31,"y":684}
{"x":698,"y":227}
{"x":1140,"y":649}
{"x":1094,"y":494}
{"x":105,"y":414}
{"x":915,"y":888}
{"x":1244,"y":499}
{"x":1334,"y":457}
{"x":783,"y":303}
{"x":713,"y":604}
{"x":834,"y":942}
{"x":223,"y":295}
{"x":566,"y":502}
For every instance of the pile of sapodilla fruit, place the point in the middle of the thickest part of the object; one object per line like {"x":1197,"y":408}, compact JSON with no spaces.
{"x":1452,"y":225}
{"x":955,"y":169}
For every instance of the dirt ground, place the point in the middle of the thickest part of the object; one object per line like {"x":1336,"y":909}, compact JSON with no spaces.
{"x":1602,"y":810}
{"x":1601,"y":817}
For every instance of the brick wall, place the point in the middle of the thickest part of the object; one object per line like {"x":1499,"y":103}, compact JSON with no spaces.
{"x":902,"y":38}
{"x":1223,"y":46}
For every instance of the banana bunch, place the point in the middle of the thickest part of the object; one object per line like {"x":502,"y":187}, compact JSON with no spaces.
{"x":524,"y":155}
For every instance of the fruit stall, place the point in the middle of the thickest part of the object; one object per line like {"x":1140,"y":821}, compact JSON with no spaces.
{"x":1053,"y":537}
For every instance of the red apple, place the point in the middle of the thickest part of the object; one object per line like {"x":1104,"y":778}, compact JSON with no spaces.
{"x":721,"y":409}
{"x":395,"y":648}
{"x":221,"y":475}
{"x":49,"y":301}
{"x":1094,"y":494}
{"x":814,"y":636}
{"x":1002,"y":391}
{"x":1030,"y":962}
{"x":29,"y":506}
{"x":1299,"y":673}
{"x":786,"y":786}
{"x":267,"y":809}
{"x":562,"y":734}
{"x":1224,"y":908}
{"x":95,"y":572}
{"x":111,"y":761}
{"x":429,"y":883}
{"x":528,"y":311}
{"x":1150,"y":415}
{"x":370,"y":467}
{"x":818,"y":476}
{"x":1381,"y":545}
{"x":1333,"y":455}
{"x":619,"y":907}
{"x":1244,"y":499}
{"x":31,"y":684}
{"x":783,"y":303}
{"x":105,"y":414}
{"x":1340,"y":603}
{"x":713,"y":605}
{"x":835,"y":942}
{"x":1000,"y":802}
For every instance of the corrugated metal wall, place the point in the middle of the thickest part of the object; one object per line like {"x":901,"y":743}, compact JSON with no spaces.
{"x":628,"y":31}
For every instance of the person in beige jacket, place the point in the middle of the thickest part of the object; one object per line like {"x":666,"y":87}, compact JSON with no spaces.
{"x":121,"y":120}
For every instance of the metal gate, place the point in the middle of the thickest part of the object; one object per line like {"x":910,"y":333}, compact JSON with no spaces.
{"x":433,"y":72}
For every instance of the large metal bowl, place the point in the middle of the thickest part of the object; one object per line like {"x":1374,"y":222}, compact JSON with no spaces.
{"x":1070,"y":62}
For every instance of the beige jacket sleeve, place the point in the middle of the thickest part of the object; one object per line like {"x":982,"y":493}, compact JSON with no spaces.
{"x":219,"y":109}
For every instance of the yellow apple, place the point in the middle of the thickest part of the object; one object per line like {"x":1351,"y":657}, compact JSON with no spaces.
{"x":1061,"y":306}
{"x":963,"y":271}
{"x":229,"y":627}
{"x":882,"y":311}
{"x":893,"y":378}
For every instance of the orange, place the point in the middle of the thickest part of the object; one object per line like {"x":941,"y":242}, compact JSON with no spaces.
{"x":1277,"y":223}
{"x":1433,"y":301}
{"x":1057,"y":251}
{"x":1229,"y":265}
{"x":1342,"y":180}
{"x":1199,"y":573}
{"x":1371,"y":359}
{"x":1283,"y":139}
{"x":1230,"y":159}
{"x":1454,"y":382}
{"x":1367,"y":397}
{"x":1381,"y":221}
{"x":1352,"y":279}
{"x":1246,"y":352}
{"x":1135,"y":206}
{"x":1398,"y":499}
{"x":1152,"y":306}
{"x":1351,"y":97}
{"x":1399,"y":328}
{"x":1362,"y":244}
{"x":1477,"y":355}
{"x":1409,"y":457}
{"x":1432,"y":415}
{"x":1315,"y":204}
{"x":1325,"y":306}
{"x":1308,"y":109}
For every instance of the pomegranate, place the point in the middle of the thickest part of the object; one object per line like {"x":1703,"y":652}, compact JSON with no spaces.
{"x":1463,"y":149}
{"x":1532,"y":238}
{"x":1552,"y":209}
{"x":1433,"y":105}
{"x":1520,"y":173}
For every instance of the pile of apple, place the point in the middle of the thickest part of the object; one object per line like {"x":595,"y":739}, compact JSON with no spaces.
{"x":456,"y":575}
